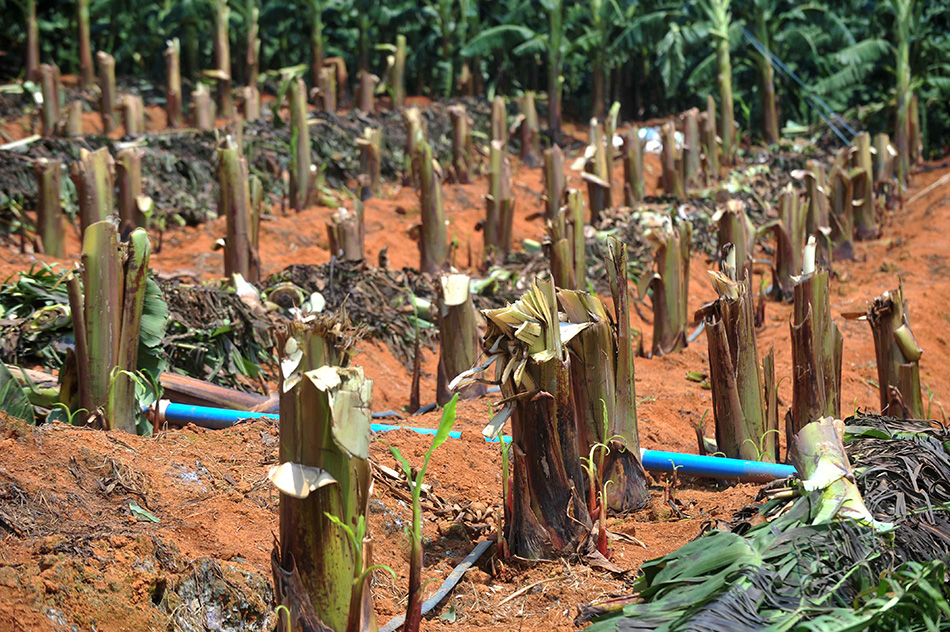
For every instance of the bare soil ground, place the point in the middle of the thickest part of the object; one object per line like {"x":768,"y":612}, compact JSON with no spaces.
{"x":74,"y":556}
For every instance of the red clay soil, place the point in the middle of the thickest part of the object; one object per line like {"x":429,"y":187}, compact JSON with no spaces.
{"x":72,"y":553}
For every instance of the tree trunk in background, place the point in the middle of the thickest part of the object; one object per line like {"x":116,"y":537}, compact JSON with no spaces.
{"x":222,"y":59}
{"x":32,"y":43}
{"x":554,"y":72}
{"x":107,"y":88}
{"x":770,"y":126}
{"x":316,"y":44}
{"x":727,"y":128}
{"x":86,"y":71}
{"x":597,"y":86}
{"x":902,"y":133}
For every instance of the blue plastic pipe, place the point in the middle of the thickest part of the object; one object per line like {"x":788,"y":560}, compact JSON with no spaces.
{"x":220,"y":418}
{"x":714,"y":466}
{"x":653,"y":460}
{"x":710,"y":466}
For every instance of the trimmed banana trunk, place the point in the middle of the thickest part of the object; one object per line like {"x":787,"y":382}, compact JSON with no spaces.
{"x":692,"y":150}
{"x":49,"y":211}
{"x":340,"y":79}
{"x":564,"y":245}
{"x":128,"y":168}
{"x":816,"y":200}
{"x":597,"y":173}
{"x":346,"y":233}
{"x":842,"y":214}
{"x":133,"y":115}
{"x":433,"y":248}
{"x":463,"y":149}
{"x":93,"y":176}
{"x":789,"y":231}
{"x":399,"y":73}
{"x":742,"y":430}
{"x":202,"y":107}
{"x":458,"y":337}
{"x":672,"y":179}
{"x":323,"y":560}
{"x":865,"y":221}
{"x":737,"y":229}
{"x":222,"y":58}
{"x":898,"y":355}
{"x":816,"y":349}
{"x":326,"y":89}
{"x":49,"y":85}
{"x":173,"y":94}
{"x":548,"y":518}
{"x":632,"y":167}
{"x":252,"y":103}
{"x":73,"y":123}
{"x":86,"y":71}
{"x":107,"y":90}
{"x":499,"y":121}
{"x":711,"y":142}
{"x":602,"y":386}
{"x":367,"y":99}
{"x":107,"y":315}
{"x":32,"y":61}
{"x":300,"y":133}
{"x":499,"y":204}
{"x":884,"y":156}
{"x":416,"y":134}
{"x":234,"y":202}
{"x":669,"y":283}
{"x":371,"y":147}
{"x":555,"y":191}
{"x":256,"y":190}
{"x":530,"y":132}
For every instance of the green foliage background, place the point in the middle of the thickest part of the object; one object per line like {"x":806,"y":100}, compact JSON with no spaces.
{"x":658,"y":54}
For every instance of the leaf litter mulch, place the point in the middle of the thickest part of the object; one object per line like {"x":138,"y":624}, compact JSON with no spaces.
{"x":179,"y":166}
{"x":778,"y":566}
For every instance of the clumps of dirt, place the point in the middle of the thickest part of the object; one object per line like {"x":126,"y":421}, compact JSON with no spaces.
{"x":226,"y":596}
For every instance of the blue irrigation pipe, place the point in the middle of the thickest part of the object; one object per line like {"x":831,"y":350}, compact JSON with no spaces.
{"x":220,"y":418}
{"x":714,"y":467}
{"x":653,"y":460}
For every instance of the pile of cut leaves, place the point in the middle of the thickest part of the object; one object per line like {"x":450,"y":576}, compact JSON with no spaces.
{"x":179,"y":166}
{"x":810,"y":557}
{"x":224,"y":335}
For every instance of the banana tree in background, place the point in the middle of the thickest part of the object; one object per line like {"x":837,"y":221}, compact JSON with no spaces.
{"x":316,"y":40}
{"x":904,"y":14}
{"x":604,"y":17}
{"x":764,"y":10}
{"x":720,"y":17}
{"x":518,"y":40}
